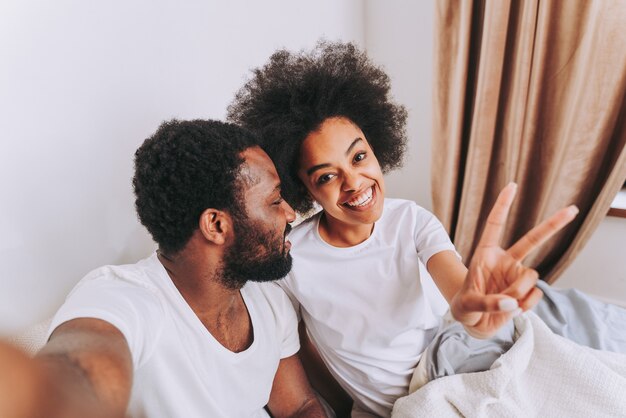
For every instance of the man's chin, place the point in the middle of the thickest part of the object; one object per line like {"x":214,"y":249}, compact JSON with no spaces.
{"x":238,"y":275}
{"x":276,"y":271}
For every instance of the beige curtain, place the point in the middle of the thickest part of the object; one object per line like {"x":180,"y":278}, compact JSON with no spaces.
{"x":531,"y":91}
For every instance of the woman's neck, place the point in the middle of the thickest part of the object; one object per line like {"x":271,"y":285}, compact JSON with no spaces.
{"x":341,"y":234}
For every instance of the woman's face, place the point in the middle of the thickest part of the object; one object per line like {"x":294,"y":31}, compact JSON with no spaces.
{"x":341,"y":172}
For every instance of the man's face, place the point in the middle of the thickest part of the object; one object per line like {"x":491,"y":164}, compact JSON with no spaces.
{"x":260,"y":250}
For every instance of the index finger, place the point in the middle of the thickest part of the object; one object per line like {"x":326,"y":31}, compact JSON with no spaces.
{"x":497,"y":217}
{"x":542,"y":232}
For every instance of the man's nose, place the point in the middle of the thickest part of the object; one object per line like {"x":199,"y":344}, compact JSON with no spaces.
{"x":290,"y":214}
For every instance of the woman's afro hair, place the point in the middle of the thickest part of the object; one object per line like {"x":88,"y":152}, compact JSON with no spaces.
{"x":294,"y":93}
{"x":183,"y":169}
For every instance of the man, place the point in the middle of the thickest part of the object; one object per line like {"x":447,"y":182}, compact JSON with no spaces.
{"x":189,"y":331}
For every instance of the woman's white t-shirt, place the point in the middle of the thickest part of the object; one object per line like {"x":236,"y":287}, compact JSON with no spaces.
{"x":370,"y":309}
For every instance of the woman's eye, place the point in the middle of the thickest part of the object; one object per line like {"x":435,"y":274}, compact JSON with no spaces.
{"x":325,"y":178}
{"x":360,"y":157}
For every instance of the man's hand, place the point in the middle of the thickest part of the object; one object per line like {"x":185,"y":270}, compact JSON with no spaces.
{"x":497,"y":286}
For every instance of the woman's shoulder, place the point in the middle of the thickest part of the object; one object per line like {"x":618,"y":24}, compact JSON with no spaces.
{"x":304,"y":227}
{"x":405,"y":215}
{"x":397,"y":207}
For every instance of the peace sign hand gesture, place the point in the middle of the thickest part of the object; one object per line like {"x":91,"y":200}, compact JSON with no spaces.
{"x":497,"y":286}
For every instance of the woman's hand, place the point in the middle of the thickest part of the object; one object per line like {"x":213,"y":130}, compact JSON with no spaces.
{"x":497,"y":286}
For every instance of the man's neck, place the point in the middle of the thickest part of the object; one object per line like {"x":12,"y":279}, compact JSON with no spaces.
{"x":222,"y":310}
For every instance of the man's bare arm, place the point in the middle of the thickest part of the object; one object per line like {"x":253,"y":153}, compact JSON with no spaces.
{"x":292,"y":395}
{"x":85,"y":369}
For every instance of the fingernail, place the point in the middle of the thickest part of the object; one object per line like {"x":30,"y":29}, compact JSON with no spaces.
{"x":507,"y":304}
{"x":512,"y":184}
{"x":573,"y":210}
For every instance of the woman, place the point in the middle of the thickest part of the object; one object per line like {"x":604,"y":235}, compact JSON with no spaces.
{"x":369,"y":306}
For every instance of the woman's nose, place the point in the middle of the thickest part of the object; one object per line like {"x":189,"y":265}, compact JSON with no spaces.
{"x":351,"y":181}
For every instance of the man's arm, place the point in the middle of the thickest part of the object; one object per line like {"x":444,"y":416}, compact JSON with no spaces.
{"x":320,"y":378}
{"x":291,"y":395}
{"x":86,"y":370}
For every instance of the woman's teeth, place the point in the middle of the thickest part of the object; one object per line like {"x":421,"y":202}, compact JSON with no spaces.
{"x":361,"y":199}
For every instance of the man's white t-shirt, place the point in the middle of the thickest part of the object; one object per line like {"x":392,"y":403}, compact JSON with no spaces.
{"x":370,"y":309}
{"x":180,"y":370}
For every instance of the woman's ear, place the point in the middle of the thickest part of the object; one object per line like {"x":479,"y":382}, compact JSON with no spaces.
{"x":215,"y":225}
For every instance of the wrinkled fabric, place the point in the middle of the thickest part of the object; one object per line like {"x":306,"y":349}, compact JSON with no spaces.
{"x":568,"y":313}
{"x":541,"y":375}
{"x":532,"y":92}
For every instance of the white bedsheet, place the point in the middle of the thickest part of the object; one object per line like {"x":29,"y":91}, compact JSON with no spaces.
{"x":542,"y":374}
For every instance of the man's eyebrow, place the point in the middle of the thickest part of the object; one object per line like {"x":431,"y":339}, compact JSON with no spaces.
{"x":317,"y":167}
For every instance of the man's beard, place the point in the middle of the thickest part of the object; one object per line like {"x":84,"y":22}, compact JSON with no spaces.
{"x":256,"y":255}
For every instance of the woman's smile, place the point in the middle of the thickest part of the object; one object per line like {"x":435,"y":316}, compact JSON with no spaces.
{"x":362,"y":201}
{"x":341,"y":172}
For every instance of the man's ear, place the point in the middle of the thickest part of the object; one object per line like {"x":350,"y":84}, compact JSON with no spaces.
{"x":215,"y":225}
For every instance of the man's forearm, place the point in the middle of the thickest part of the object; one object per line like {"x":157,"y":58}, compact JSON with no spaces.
{"x":69,"y":392}
{"x":87,"y":370}
{"x":46,"y":386}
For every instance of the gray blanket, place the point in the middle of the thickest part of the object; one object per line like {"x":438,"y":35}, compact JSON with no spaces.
{"x":568,"y":313}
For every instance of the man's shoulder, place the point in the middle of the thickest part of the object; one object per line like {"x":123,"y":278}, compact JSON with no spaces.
{"x":269,"y":292}
{"x":139,"y":275}
{"x":124,"y":296}
{"x":272,"y":303}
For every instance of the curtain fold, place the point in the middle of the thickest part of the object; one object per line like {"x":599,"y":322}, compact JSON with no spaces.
{"x":529,"y":91}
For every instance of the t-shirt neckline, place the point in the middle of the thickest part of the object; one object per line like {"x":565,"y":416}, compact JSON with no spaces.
{"x":200,"y":326}
{"x":356,"y":247}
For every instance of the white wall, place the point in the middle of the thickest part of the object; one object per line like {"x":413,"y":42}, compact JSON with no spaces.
{"x":399,"y":37}
{"x":82,"y":83}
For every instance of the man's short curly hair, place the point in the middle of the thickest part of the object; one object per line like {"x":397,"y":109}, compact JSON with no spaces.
{"x":294,"y":93}
{"x":183,"y":169}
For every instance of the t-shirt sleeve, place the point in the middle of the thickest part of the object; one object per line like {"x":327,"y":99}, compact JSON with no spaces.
{"x":430,"y":236}
{"x":290,"y":342}
{"x":132,"y":308}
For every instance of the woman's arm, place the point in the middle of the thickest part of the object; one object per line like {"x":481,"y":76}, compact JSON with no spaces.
{"x":496,"y":286}
{"x":448,"y":273}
